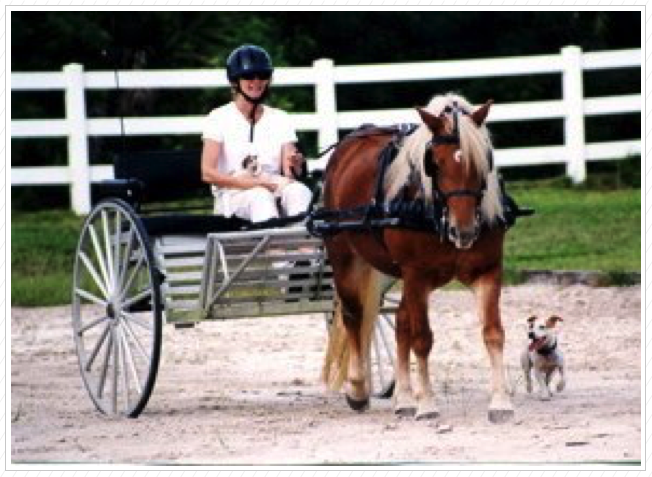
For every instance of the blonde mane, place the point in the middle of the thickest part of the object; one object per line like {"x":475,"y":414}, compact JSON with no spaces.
{"x":475,"y":142}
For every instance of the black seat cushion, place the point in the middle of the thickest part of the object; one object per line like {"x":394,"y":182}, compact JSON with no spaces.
{"x":182,"y":224}
{"x":164,"y":175}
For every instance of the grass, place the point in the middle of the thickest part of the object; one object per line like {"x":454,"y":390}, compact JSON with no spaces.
{"x":573,"y":229}
{"x":576,"y":229}
{"x":42,"y":254}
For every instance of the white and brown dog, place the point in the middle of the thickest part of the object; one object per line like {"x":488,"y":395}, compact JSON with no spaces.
{"x":251,"y":168}
{"x":543,"y":356}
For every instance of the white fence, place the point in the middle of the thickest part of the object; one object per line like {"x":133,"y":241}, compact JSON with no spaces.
{"x":573,"y":107}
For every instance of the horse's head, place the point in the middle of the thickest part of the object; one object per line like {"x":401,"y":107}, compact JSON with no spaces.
{"x":458,"y":160}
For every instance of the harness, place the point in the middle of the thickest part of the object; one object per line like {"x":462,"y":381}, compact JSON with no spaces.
{"x":548,"y":351}
{"x":403,"y":212}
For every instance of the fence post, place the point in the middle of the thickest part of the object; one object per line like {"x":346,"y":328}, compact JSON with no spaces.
{"x":325,"y":107}
{"x":573,"y":91}
{"x":78,"y":163}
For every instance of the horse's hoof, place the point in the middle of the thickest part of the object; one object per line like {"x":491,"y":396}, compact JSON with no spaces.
{"x":499,"y":416}
{"x":427,"y":415}
{"x":357,"y":405}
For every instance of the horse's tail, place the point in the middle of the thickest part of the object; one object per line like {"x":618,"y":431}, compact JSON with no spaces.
{"x":336,"y":363}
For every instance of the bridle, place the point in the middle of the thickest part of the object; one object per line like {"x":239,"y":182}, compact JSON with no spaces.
{"x":431,"y":170}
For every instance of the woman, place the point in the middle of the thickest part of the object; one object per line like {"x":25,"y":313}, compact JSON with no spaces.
{"x":246,"y":129}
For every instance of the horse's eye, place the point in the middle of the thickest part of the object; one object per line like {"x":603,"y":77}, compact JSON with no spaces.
{"x":458,"y":155}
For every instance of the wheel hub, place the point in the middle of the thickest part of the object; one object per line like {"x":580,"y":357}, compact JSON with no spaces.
{"x":112,"y":310}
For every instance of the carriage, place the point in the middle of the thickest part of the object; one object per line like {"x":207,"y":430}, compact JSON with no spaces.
{"x":151,"y":254}
{"x":421,"y":203}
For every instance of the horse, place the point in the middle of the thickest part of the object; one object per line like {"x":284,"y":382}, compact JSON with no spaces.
{"x":446,"y":162}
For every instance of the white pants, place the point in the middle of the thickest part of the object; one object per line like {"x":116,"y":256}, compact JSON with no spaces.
{"x":259,"y":204}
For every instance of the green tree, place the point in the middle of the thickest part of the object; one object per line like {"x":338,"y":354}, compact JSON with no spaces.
{"x":45,"y":41}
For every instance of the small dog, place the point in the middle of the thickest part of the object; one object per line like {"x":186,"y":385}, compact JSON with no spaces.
{"x":251,"y":167}
{"x":543,"y":356}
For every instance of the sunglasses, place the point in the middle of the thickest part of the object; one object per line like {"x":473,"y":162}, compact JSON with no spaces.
{"x":257,"y":75}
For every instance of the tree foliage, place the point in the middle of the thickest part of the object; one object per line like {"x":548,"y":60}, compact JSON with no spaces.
{"x":46,"y":41}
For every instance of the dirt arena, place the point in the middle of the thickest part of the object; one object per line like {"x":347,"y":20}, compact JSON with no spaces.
{"x":248,"y":392}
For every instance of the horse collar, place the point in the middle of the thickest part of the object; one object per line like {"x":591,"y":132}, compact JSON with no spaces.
{"x":547,"y":351}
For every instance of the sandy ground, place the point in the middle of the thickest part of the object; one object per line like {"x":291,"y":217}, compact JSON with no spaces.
{"x":248,"y":392}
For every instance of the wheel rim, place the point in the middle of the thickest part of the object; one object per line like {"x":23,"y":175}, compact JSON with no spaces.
{"x":116,"y":310}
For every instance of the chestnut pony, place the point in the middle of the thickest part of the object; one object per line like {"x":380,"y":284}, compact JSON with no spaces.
{"x":446,"y":160}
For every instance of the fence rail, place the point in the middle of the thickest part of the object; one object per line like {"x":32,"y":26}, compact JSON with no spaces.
{"x":326,"y":120}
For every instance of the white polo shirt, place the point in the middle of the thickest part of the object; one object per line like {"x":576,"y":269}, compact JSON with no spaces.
{"x":229,"y":126}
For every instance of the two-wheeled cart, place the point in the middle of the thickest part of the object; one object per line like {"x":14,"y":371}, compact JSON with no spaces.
{"x":145,"y":258}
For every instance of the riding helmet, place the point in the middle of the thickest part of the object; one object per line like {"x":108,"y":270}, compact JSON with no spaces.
{"x":247,"y":59}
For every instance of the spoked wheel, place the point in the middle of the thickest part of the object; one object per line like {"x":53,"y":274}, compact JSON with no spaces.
{"x":383,"y":354}
{"x":116,"y":309}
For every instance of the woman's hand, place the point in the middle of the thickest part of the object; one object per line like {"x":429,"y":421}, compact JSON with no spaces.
{"x":293,"y":161}
{"x":296,"y":161}
{"x":210,"y":173}
{"x":267,"y":184}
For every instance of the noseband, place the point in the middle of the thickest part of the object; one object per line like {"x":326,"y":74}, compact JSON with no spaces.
{"x":431,"y":169}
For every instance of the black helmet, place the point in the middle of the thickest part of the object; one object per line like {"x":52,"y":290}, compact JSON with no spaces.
{"x":247,"y":59}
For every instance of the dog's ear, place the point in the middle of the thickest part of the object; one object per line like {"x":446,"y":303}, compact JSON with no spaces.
{"x":552,"y":321}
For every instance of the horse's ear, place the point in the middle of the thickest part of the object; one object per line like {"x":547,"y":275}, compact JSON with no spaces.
{"x":434,"y":123}
{"x":552,"y":321}
{"x":480,"y":114}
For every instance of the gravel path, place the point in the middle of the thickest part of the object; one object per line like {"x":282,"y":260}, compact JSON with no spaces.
{"x":248,"y":392}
